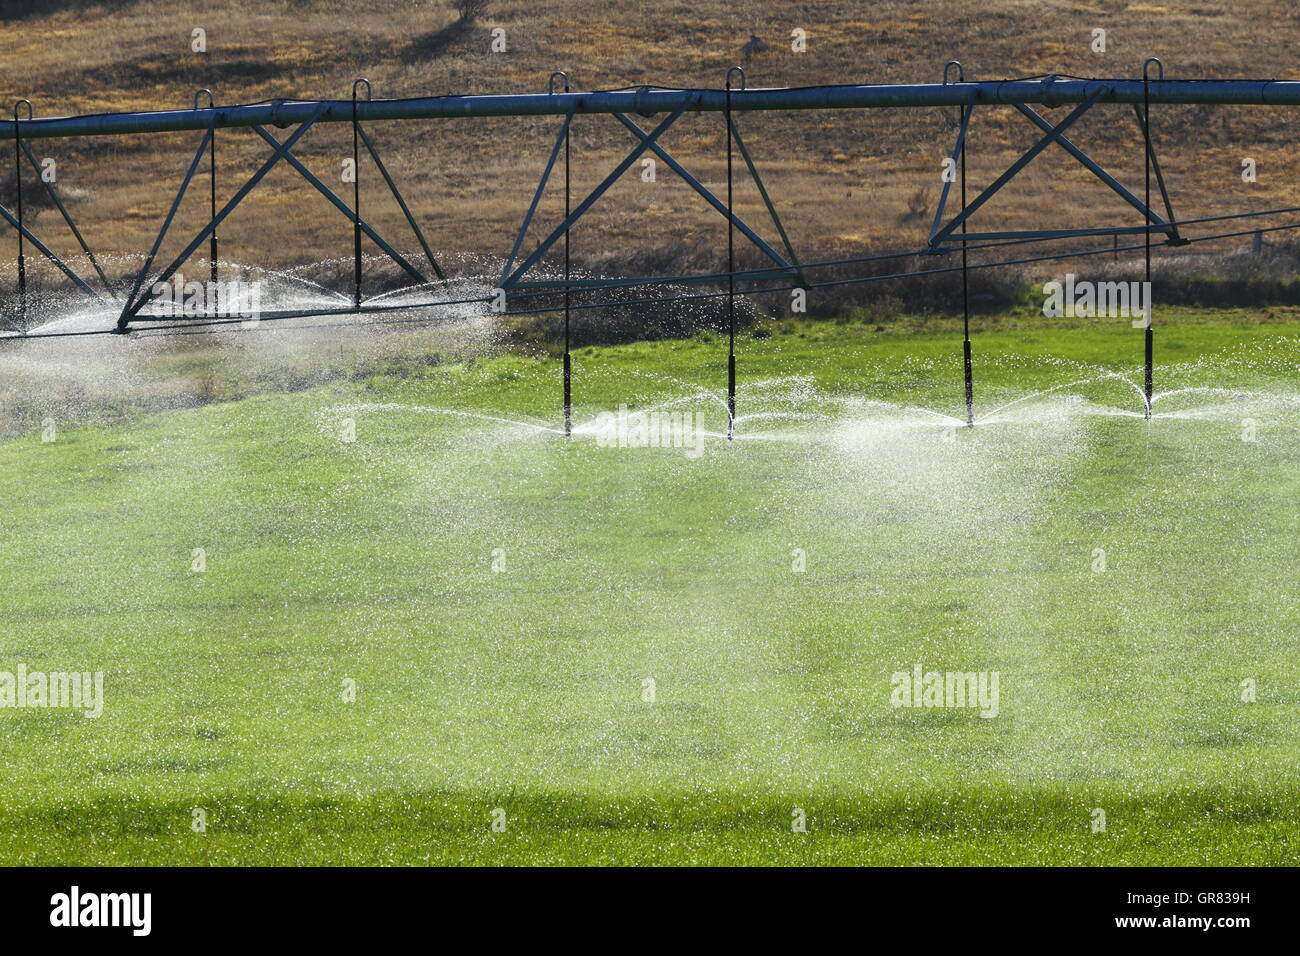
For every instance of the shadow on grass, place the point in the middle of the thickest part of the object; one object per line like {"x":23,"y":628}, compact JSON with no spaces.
{"x":435,"y":44}
{"x":25,"y":9}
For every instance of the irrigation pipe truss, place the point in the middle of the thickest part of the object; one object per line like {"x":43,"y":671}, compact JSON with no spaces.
{"x":947,"y":237}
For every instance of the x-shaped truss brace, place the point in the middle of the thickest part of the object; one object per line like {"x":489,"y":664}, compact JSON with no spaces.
{"x":281,"y":151}
{"x":45,"y":250}
{"x":647,"y":141}
{"x":1053,"y":134}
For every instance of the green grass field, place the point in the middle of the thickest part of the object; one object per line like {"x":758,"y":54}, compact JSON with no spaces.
{"x":499,"y":595}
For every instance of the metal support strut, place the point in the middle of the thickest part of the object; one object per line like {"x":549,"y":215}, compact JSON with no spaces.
{"x":1146,"y":133}
{"x":134,"y":304}
{"x":280,"y":151}
{"x":356,"y":194}
{"x":568,"y":358}
{"x":53,"y":195}
{"x":535,"y":256}
{"x":212,"y":187}
{"x":18,"y":184}
{"x":731,"y":268}
{"x":968,"y":367}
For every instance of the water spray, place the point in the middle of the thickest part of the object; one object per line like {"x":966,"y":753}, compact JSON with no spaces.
{"x":203,"y":115}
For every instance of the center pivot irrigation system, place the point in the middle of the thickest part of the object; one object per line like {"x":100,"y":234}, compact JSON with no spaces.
{"x":786,"y":272}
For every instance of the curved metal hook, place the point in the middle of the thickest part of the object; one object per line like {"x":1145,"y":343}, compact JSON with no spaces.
{"x":736,"y":69}
{"x":550,"y":83}
{"x":961,"y":72}
{"x":212,"y":101}
{"x":1146,"y":66}
{"x":31,"y":113}
{"x":357,"y":82}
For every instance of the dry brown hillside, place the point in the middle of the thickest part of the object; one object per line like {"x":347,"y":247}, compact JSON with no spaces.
{"x":845,"y":181}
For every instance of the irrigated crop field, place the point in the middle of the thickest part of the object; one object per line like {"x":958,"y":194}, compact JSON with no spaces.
{"x":363,"y":621}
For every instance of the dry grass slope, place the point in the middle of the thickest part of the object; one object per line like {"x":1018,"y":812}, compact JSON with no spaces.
{"x":845,"y":182}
